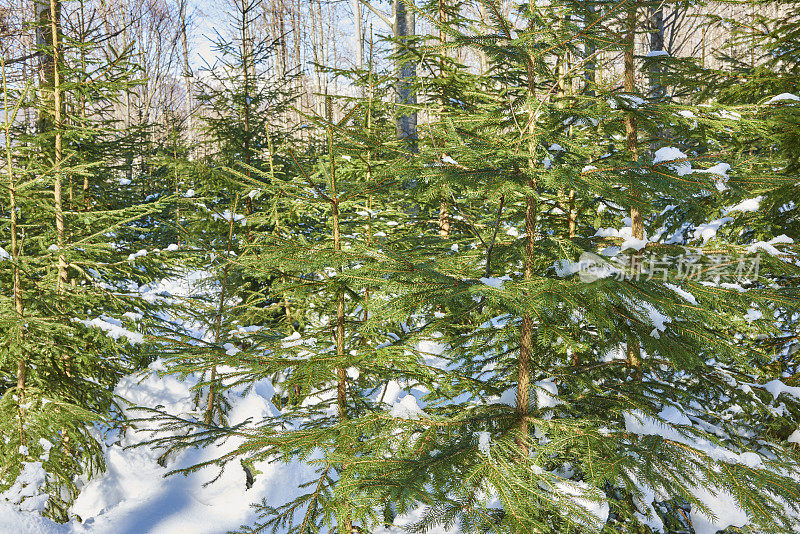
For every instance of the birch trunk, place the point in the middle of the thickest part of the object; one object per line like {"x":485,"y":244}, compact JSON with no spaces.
{"x":358,"y":36}
{"x":405,"y":27}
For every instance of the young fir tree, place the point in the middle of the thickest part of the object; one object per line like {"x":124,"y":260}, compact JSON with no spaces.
{"x":69,"y":283}
{"x":569,"y":402}
{"x":313,"y":240}
{"x":229,"y":207}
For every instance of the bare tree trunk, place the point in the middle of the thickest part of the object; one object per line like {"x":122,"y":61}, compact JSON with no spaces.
{"x":44,"y":45}
{"x":358,"y":37}
{"x":187,"y":76}
{"x":248,"y":68}
{"x":322,"y":59}
{"x":405,"y":27}
{"x":282,"y":29}
{"x":484,"y":60}
{"x":87,"y":200}
{"x":317,"y":48}
{"x":656,"y":45}
{"x":296,"y":33}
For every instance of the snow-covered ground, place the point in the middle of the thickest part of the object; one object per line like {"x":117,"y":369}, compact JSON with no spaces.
{"x":134,"y":497}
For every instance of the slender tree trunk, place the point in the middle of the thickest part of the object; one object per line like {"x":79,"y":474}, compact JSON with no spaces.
{"x":573,"y":214}
{"x":87,"y":200}
{"x":483,"y":58}
{"x":405,"y":27}
{"x":655,"y":74}
{"x":296,"y":32}
{"x":44,"y":52}
{"x":341,"y":387}
{"x":656,"y":45}
{"x":631,"y":132}
{"x":15,"y":250}
{"x":444,"y":205}
{"x":316,"y":48}
{"x":526,"y":331}
{"x":563,"y":88}
{"x":526,"y":328}
{"x":591,"y":50}
{"x":248,"y":72}
{"x":211,"y":399}
{"x":358,"y":37}
{"x":48,"y":16}
{"x":177,"y":194}
{"x":187,"y":77}
{"x":369,"y":232}
{"x":632,"y":143}
{"x":322,"y":57}
{"x":284,"y":53}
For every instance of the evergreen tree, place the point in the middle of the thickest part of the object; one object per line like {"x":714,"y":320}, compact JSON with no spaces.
{"x":558,"y":400}
{"x":68,"y":324}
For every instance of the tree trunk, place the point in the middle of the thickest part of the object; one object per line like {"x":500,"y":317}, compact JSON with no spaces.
{"x":341,"y":386}
{"x":631,"y":132}
{"x":358,"y":36}
{"x":187,"y":77}
{"x":656,"y":45}
{"x":590,"y":72}
{"x":211,"y":399}
{"x":482,"y":57}
{"x":531,"y":213}
{"x":15,"y":249}
{"x":317,"y":49}
{"x":444,"y":205}
{"x":405,"y":27}
{"x":632,"y":142}
{"x":48,"y":32}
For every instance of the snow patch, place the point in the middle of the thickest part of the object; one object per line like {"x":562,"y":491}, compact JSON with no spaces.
{"x":484,"y":442}
{"x":708,"y":231}
{"x":671,"y":154}
{"x":769,"y":246}
{"x":782,"y":97}
{"x":748,"y":205}
{"x":113,"y":329}
{"x":496,"y":283}
{"x":407,"y":408}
